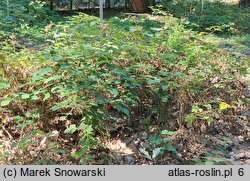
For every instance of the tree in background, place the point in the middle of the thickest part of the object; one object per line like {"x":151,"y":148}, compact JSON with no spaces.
{"x":138,"y":6}
{"x":244,"y":3}
{"x":71,"y":5}
{"x":51,"y":4}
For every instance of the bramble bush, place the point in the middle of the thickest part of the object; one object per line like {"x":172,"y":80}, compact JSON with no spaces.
{"x":144,"y":66}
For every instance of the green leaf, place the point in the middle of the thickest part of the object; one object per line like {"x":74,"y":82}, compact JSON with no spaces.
{"x":217,"y":152}
{"x":41,"y":72}
{"x":25,"y":96}
{"x":52,"y":145}
{"x":18,"y":119}
{"x":170,"y":148}
{"x":165,"y":140}
{"x":156,"y":152}
{"x":5,"y":102}
{"x":34,"y":98}
{"x":114,"y":92}
{"x":80,"y":153}
{"x":55,"y":77}
{"x":4,"y":85}
{"x":178,"y":74}
{"x":145,"y":153}
{"x":26,"y":138}
{"x":46,"y":96}
{"x":217,"y":159}
{"x":122,"y":109}
{"x":209,"y":162}
{"x":154,"y":81}
{"x":57,"y":150}
{"x":72,"y":128}
{"x":52,"y":163}
{"x":154,"y":139}
{"x":13,"y":144}
{"x":166,"y":132}
{"x":198,"y":161}
{"x":21,"y":126}
{"x":196,"y":109}
{"x":189,"y":119}
{"x":164,"y":87}
{"x":208,"y":106}
{"x":86,"y":128}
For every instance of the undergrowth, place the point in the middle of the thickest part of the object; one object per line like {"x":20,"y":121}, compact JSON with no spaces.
{"x":58,"y":99}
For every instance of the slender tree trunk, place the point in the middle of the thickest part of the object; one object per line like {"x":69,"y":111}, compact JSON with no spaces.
{"x":126,"y":4}
{"x":71,"y":5}
{"x":8,"y":8}
{"x":51,"y":4}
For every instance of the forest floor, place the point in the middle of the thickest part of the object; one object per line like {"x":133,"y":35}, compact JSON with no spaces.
{"x":233,"y":138}
{"x":142,"y":138}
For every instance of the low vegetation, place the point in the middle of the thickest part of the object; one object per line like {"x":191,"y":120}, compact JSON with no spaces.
{"x":66,"y":95}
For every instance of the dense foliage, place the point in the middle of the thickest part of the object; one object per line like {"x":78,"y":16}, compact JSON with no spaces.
{"x":69,"y":93}
{"x":216,"y":17}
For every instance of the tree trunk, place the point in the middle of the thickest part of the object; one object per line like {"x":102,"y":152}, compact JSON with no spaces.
{"x":51,"y":4}
{"x":244,"y":3}
{"x":71,"y":5}
{"x":138,"y":6}
{"x":126,"y":4}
